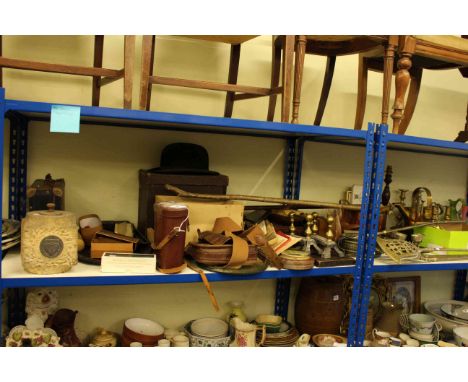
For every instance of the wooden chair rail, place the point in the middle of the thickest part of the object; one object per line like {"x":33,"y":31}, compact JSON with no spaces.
{"x":59,"y":68}
{"x":209,"y":85}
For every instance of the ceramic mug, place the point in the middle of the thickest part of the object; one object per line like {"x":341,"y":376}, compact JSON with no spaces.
{"x":170,"y":333}
{"x":423,"y":323}
{"x":164,"y":343}
{"x":180,"y":341}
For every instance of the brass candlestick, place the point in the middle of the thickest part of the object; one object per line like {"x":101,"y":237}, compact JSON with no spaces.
{"x":330,"y":235}
{"x":308,"y":231}
{"x":292,"y":228}
{"x":315,"y":228}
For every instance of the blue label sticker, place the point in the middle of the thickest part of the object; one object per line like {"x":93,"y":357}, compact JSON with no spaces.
{"x":65,"y":119}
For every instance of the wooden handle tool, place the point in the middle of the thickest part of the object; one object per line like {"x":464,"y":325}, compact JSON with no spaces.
{"x":197,"y":269}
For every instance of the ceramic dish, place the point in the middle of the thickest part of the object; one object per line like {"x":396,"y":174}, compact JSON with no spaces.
{"x":461,"y":336}
{"x":209,"y":327}
{"x":10,"y":227}
{"x":457,"y":311}
{"x":328,"y":340}
{"x":250,"y":269}
{"x":428,"y":338}
{"x":432,"y":307}
{"x":272,"y":323}
{"x":197,"y":341}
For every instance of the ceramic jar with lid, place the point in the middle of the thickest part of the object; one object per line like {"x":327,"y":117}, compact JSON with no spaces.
{"x":49,"y":241}
{"x":103,"y":338}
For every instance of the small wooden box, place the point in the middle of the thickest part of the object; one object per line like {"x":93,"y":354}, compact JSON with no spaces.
{"x":106,"y":241}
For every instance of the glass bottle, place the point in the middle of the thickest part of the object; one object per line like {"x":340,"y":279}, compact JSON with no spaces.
{"x":236,"y":311}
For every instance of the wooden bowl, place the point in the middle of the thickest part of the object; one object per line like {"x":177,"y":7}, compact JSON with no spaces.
{"x":142,"y":330}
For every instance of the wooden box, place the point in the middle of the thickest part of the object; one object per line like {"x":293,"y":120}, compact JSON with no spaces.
{"x":202,"y":214}
{"x":106,"y":241}
{"x":152,"y":184}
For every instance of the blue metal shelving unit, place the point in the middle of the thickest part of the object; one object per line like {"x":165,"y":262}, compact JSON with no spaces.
{"x":20,"y":113}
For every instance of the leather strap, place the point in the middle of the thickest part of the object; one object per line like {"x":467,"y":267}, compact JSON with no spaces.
{"x":240,"y":251}
{"x":166,"y":239}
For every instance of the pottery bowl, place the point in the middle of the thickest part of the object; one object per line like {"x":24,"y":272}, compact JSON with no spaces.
{"x":461,"y":335}
{"x":272,"y":323}
{"x":209,"y":327}
{"x":199,"y":341}
{"x":142,"y":330}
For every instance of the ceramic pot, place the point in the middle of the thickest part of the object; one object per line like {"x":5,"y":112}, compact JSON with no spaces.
{"x":104,"y":339}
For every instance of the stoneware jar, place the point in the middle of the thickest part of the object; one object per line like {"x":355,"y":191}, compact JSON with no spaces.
{"x":49,"y":241}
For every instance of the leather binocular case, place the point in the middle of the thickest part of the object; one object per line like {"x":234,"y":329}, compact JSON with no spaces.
{"x":170,"y":221}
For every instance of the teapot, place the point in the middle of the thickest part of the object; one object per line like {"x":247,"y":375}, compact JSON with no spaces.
{"x":245,"y":333}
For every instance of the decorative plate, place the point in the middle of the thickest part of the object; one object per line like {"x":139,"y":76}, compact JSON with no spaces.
{"x":10,"y":227}
{"x":258,"y":267}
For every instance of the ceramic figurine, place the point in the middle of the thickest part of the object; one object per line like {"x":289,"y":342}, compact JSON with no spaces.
{"x":42,"y":302}
{"x":63,"y":322}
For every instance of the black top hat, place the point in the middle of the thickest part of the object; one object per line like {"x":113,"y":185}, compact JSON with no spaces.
{"x":184,"y":158}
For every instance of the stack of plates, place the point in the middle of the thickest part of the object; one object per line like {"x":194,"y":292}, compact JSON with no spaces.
{"x":10,"y":233}
{"x":286,"y":337}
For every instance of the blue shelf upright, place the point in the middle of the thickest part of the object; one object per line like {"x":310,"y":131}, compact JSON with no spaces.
{"x":369,"y":224}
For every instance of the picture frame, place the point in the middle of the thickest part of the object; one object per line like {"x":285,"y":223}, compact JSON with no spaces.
{"x":405,"y":291}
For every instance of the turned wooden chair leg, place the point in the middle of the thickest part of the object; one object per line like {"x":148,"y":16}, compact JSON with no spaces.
{"x":147,"y":53}
{"x":288,"y":53}
{"x":275,"y":76}
{"x":361,"y":93}
{"x":129,"y":52}
{"x":411,"y":100}
{"x":389,"y":60}
{"x":232,"y":78}
{"x":298,"y":72}
{"x":98,"y":53}
{"x":463,"y":135}
{"x":327,"y":81}
{"x":402,"y":79}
